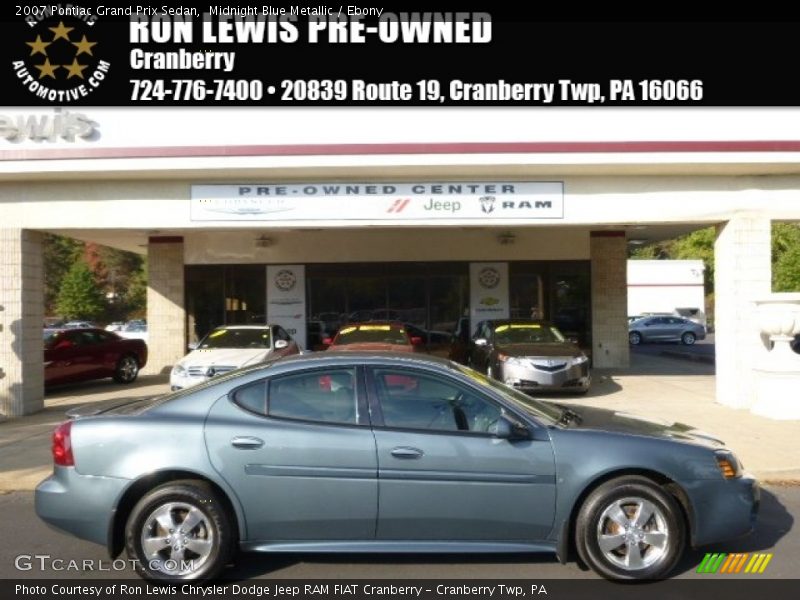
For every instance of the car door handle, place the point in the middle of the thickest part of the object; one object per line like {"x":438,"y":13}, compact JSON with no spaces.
{"x":247,"y":443}
{"x":407,"y":452}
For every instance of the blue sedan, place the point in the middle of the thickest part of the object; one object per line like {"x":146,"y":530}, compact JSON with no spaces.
{"x":371,"y":452}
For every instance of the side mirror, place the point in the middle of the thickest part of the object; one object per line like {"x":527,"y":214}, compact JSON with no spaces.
{"x":481,"y":342}
{"x":327,"y":341}
{"x":505,"y":429}
{"x":193,"y":345}
{"x":281,"y":344}
{"x":416,"y":341}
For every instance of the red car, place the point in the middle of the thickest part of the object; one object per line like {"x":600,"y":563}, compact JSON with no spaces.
{"x":82,"y":354}
{"x":374,"y":335}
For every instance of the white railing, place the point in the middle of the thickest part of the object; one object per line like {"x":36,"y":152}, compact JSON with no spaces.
{"x":777,"y":370}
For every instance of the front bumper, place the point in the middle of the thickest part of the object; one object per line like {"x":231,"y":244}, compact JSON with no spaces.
{"x":82,"y":505}
{"x":723,"y":509}
{"x":527,"y":377}
{"x":180,"y":382}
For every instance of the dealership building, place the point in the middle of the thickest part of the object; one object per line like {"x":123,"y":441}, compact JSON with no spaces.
{"x":436,"y":217}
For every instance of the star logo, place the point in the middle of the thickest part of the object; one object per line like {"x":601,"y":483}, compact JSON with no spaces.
{"x":84,"y":47}
{"x":46,"y":69}
{"x":60,"y":63}
{"x":75,"y":70}
{"x":38,"y":46}
{"x":61,"y":31}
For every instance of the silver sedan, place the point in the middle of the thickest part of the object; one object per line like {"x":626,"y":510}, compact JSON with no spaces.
{"x":665,"y":329}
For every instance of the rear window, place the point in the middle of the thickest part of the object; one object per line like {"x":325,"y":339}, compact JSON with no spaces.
{"x":379,"y":334}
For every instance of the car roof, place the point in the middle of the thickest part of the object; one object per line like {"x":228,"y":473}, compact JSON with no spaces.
{"x":366,"y":356}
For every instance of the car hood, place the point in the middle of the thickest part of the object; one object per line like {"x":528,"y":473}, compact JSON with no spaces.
{"x":621,"y":422}
{"x":229,"y":357}
{"x":554,"y":349}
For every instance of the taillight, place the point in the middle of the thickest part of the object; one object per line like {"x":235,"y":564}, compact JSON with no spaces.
{"x":62,"y":445}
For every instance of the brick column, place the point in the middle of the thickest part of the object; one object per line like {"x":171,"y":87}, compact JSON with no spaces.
{"x":166,"y":314}
{"x":22,"y":317}
{"x":609,"y":254}
{"x":742,"y":274}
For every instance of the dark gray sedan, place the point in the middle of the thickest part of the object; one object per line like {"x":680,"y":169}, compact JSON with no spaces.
{"x":530,"y":355}
{"x":665,"y":329}
{"x":360,"y":452}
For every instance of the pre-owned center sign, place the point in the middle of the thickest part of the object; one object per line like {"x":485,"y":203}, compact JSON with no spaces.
{"x":379,"y":201}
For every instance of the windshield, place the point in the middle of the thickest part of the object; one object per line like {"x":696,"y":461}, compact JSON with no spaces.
{"x":235,"y":338}
{"x":549,"y":413}
{"x":375,"y":334}
{"x":527,"y":333}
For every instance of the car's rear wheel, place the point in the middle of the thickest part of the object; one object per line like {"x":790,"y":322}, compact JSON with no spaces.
{"x":630,"y":528}
{"x":179,"y":531}
{"x":127,"y":369}
{"x":635,"y":338}
{"x":688,"y":338}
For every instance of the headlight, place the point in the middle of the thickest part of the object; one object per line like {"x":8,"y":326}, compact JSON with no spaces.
{"x":728,"y":464}
{"x":579,"y":360}
{"x":178,"y":370}
{"x":510,"y":360}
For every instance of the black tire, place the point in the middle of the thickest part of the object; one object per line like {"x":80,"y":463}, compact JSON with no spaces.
{"x":635,"y":338}
{"x":209,"y":541}
{"x":688,"y":339}
{"x":649,"y":549}
{"x":127,"y":369}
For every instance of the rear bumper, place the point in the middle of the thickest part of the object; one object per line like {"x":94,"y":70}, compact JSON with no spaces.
{"x":723,"y":509}
{"x":78,"y":504}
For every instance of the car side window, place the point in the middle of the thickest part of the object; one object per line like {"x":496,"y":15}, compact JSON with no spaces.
{"x":252,"y":397}
{"x":326,"y":396}
{"x":411,"y":400}
{"x":279,"y":333}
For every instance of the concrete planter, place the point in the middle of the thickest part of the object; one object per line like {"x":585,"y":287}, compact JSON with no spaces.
{"x":777,"y":371}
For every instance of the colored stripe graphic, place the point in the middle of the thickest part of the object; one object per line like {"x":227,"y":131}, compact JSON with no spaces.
{"x":723,"y":563}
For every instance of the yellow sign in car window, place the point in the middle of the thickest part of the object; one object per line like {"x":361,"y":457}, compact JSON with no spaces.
{"x":375,"y":328}
{"x":347,"y":330}
{"x":526,"y":326}
{"x":218,"y":333}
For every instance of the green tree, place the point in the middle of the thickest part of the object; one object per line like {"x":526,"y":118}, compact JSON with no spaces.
{"x":79,"y":296}
{"x":785,"y":257}
{"x":59,"y":254}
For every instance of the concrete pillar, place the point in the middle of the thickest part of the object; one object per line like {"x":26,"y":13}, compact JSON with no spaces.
{"x":742,"y":274}
{"x":609,"y":255}
{"x":166,"y":314}
{"x":22,"y":318}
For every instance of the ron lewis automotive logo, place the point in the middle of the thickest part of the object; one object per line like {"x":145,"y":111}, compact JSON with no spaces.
{"x":60,"y":59}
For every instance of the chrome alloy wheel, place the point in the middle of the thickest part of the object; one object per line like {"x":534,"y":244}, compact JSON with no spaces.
{"x":632,"y":533}
{"x":128,"y":368}
{"x":177,"y":539}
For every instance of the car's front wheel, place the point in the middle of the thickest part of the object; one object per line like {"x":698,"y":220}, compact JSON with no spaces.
{"x":688,"y":338}
{"x":127,"y":369}
{"x":179,"y":531}
{"x":635,"y":338}
{"x":630,"y":528}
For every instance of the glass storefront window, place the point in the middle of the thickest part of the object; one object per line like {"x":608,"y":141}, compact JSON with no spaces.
{"x":430,"y":298}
